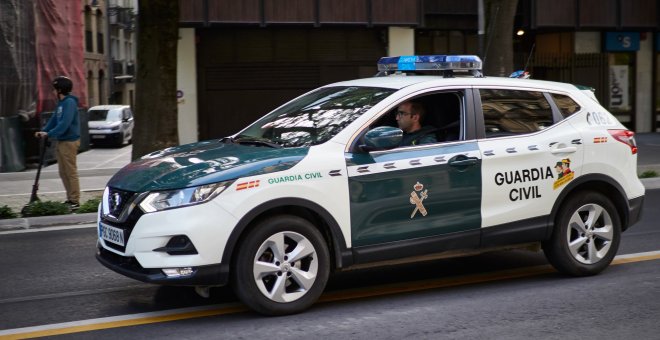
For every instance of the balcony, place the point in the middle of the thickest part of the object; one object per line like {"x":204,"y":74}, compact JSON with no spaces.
{"x":122,"y":17}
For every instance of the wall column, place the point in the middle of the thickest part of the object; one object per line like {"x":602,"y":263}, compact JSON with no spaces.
{"x":186,"y":84}
{"x":401,"y":41}
{"x":644,"y":84}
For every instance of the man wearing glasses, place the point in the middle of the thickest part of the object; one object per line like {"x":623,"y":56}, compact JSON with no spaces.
{"x":409,"y":117}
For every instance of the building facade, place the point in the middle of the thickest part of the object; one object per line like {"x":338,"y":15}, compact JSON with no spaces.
{"x":110,"y":51}
{"x":231,"y":52}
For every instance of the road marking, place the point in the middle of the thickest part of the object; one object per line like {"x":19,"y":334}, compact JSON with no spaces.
{"x":223,"y":309}
{"x":36,"y":230}
{"x":76,"y":293}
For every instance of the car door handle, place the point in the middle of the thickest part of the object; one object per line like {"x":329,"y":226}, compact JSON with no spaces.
{"x":463,"y":161}
{"x":568,"y":149}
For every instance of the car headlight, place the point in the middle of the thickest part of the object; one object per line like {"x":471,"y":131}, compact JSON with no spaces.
{"x":161,"y":200}
{"x":115,"y":128}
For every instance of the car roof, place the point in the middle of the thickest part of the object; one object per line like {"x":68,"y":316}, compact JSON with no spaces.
{"x":399,"y":81}
{"x":108,"y":107}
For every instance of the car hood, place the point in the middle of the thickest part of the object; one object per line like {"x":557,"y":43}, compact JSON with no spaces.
{"x":203,"y":163}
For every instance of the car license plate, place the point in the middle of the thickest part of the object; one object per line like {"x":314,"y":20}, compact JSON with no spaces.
{"x":112,"y":234}
{"x":98,"y":136}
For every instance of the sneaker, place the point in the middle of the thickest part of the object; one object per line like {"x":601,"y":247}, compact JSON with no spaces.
{"x":72,"y":205}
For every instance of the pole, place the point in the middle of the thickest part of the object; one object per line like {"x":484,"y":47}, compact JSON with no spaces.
{"x":482,"y":28}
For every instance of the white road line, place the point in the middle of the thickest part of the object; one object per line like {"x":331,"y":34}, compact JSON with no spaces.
{"x":36,"y":230}
{"x":115,"y":318}
{"x":76,"y":293}
{"x":187,"y":313}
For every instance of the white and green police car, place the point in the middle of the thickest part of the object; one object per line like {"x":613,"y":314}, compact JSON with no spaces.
{"x":322,"y":184}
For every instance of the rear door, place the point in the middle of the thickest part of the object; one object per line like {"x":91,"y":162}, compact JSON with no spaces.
{"x":529,"y":156}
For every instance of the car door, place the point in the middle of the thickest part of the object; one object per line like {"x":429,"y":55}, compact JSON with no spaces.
{"x":529,"y":156}
{"x":405,"y":201}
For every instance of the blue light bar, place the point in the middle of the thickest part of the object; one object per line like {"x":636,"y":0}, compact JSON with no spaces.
{"x":430,"y":63}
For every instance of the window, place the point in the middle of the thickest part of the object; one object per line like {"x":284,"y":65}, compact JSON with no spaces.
{"x":316,"y":117}
{"x":441,"y":118}
{"x":512,"y":112}
{"x":567,"y":106}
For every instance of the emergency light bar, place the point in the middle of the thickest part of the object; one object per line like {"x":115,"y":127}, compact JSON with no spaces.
{"x":446,"y":63}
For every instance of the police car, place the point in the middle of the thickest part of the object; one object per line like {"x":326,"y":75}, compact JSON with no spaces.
{"x":322,"y":184}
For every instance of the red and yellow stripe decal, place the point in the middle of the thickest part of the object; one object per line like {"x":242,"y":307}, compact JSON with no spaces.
{"x":247,"y":185}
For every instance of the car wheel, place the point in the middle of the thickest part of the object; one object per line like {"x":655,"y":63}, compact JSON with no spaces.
{"x":282,"y":266}
{"x":586,"y":235}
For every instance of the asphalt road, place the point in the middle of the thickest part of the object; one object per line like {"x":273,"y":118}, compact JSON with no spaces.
{"x":50,"y":281}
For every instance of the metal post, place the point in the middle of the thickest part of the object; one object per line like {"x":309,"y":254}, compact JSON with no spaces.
{"x":482,"y":28}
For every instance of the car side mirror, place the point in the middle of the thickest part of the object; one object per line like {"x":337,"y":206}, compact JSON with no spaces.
{"x":382,"y":138}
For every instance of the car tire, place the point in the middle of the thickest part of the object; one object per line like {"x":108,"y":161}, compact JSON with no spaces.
{"x":586,"y":235}
{"x":282,"y":266}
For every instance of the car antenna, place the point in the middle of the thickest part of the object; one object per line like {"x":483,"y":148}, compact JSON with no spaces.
{"x":531,"y":52}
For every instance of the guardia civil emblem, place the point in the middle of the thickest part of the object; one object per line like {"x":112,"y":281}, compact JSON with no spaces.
{"x":417,"y":197}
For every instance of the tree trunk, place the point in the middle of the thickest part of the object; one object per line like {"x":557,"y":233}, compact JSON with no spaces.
{"x":156,"y":106}
{"x":498,"y":58}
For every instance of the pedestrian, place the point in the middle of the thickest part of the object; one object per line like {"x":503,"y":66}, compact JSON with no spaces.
{"x":64,"y":127}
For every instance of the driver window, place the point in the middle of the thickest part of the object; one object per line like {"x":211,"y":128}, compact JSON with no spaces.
{"x":439,"y":121}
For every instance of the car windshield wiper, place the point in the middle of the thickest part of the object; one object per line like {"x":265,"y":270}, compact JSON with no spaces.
{"x":256,"y":141}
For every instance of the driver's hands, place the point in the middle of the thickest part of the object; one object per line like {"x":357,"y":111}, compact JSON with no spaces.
{"x":41,"y":134}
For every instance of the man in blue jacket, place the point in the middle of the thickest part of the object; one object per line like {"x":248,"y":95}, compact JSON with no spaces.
{"x":64,"y":126}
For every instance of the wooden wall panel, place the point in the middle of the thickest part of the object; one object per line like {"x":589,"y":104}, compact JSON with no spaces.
{"x":191,"y":11}
{"x":289,"y":11}
{"x":639,"y":13}
{"x":598,"y":13}
{"x":555,"y":13}
{"x":463,"y":7}
{"x":233,"y":11}
{"x":395,"y":12}
{"x":343,"y":11}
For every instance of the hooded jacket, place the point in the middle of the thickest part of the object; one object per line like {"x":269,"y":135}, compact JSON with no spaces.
{"x":64,"y":124}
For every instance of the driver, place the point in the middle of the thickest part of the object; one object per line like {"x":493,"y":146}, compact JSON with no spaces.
{"x":409,"y":117}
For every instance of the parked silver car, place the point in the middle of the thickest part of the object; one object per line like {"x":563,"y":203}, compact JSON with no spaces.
{"x":110,"y":124}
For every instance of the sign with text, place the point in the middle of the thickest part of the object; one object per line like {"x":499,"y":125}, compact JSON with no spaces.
{"x":619,"y":96}
{"x":622,"y":41}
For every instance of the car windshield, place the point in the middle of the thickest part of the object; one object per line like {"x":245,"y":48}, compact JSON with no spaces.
{"x":314,"y":118}
{"x":104,"y":115}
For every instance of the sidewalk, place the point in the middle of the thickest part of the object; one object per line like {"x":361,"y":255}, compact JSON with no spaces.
{"x":96,"y":167}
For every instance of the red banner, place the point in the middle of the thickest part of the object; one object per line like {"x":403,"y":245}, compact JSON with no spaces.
{"x":59,"y":49}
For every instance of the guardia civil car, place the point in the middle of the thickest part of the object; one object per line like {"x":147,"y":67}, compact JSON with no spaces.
{"x":323,"y":184}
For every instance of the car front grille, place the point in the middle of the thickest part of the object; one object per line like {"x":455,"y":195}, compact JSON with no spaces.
{"x":127,"y":226}
{"x":119,"y":211}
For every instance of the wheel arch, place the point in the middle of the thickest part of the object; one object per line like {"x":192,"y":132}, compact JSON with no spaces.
{"x":308,"y":210}
{"x":602,"y":184}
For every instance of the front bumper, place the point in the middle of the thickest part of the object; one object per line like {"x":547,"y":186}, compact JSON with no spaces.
{"x":211,"y":275}
{"x":103,"y":137}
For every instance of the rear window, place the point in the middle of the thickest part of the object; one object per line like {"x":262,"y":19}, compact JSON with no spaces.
{"x":513,"y":112}
{"x":567,"y":106}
